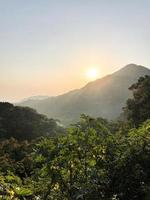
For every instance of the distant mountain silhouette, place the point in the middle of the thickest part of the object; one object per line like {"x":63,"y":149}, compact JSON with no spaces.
{"x":104,"y":97}
{"x":40,"y":97}
{"x":34,"y":98}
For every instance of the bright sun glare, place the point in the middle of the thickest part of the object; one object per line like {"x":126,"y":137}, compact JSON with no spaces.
{"x":92,"y":74}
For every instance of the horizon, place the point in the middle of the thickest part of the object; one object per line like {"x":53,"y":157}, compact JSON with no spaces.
{"x":48,"y":47}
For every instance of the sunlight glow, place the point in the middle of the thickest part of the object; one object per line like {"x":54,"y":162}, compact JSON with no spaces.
{"x":92,"y":74}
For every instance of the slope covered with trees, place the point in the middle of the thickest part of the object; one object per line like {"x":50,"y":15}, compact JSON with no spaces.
{"x":24,"y":123}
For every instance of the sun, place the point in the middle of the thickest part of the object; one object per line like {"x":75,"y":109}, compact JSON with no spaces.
{"x":92,"y":74}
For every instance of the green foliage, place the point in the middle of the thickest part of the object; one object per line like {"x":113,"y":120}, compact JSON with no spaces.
{"x":137,"y":109}
{"x":16,"y":157}
{"x":11,"y":187}
{"x":25,"y":123}
{"x":133,"y":169}
{"x":70,"y":165}
{"x":89,"y":162}
{"x":92,"y":163}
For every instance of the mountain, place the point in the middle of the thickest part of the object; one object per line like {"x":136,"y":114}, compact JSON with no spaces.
{"x":104,"y":97}
{"x":32,"y":98}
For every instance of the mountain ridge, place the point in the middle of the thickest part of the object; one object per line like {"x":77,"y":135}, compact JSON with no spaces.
{"x":103,"y":97}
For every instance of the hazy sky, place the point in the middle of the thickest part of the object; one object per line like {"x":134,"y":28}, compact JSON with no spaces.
{"x":46,"y":46}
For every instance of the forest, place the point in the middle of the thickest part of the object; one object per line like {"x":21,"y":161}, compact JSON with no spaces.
{"x":94,"y":159}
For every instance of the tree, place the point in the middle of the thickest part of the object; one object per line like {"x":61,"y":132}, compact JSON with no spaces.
{"x":131,"y":173}
{"x":73,"y":166}
{"x":137,"y":109}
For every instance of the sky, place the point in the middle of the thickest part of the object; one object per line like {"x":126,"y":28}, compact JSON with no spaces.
{"x":47,"y":46}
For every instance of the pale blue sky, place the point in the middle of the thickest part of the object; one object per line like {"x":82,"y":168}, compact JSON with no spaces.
{"x":46,"y":46}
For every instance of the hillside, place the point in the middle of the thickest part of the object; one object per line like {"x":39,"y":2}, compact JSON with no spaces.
{"x":104,"y":97}
{"x":25,"y":123}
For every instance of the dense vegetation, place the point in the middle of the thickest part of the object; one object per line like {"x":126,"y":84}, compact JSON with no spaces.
{"x":94,"y":159}
{"x":24,"y":123}
{"x":138,"y":108}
